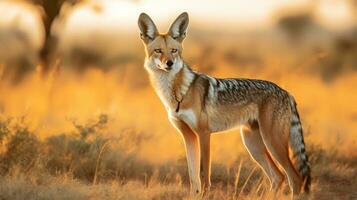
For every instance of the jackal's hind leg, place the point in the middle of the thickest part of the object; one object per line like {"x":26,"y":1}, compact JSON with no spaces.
{"x":254,"y":144}
{"x":205,"y":161}
{"x":275,"y":136}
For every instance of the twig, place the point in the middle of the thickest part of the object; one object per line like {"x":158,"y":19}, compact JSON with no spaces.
{"x":236,"y":181}
{"x":98,"y":161}
{"x":246,"y":181}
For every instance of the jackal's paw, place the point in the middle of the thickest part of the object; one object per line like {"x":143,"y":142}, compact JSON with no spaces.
{"x":196,"y":193}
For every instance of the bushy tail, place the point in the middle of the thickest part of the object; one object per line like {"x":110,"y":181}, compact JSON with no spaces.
{"x":297,"y":144}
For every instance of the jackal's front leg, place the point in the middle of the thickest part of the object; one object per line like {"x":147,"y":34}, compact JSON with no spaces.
{"x":192,"y":153}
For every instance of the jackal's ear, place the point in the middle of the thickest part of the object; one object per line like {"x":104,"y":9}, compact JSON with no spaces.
{"x":178,"y":29}
{"x":148,"y":30}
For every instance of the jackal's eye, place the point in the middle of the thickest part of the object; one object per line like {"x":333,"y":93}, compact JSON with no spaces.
{"x":173,"y":50}
{"x":158,"y":51}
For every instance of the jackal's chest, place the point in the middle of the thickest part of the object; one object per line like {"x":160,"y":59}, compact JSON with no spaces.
{"x":186,"y":115}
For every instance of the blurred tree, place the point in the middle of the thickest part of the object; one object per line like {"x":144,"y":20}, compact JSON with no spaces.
{"x":51,"y":9}
{"x":295,"y":24}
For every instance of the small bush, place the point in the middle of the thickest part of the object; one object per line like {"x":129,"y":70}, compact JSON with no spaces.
{"x":22,"y":146}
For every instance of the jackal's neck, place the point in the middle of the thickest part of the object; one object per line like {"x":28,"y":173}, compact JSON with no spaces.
{"x":172,"y":86}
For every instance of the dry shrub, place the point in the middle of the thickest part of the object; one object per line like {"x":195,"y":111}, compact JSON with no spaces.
{"x":76,"y":152}
{"x":22,"y":146}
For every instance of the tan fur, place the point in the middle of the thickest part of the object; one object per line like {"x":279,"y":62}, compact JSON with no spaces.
{"x":199,"y":105}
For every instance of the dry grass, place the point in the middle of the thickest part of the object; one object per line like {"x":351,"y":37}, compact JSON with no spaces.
{"x":83,"y":165}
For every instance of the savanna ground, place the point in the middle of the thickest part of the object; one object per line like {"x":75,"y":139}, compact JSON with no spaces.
{"x":94,"y":128}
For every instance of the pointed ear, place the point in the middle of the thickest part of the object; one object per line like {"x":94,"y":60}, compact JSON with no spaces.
{"x":178,"y":29}
{"x":148,"y":30}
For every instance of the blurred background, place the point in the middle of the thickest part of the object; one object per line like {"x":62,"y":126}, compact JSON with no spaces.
{"x":72,"y":67}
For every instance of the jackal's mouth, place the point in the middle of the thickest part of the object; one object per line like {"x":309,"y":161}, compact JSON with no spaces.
{"x":166,"y":69}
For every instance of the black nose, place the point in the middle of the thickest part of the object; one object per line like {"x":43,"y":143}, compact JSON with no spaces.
{"x":169,"y":63}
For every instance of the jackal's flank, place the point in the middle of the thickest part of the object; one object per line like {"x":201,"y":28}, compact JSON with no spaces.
{"x":198,"y":105}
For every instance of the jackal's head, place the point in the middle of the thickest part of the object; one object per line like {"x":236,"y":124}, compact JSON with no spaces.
{"x":163,"y":51}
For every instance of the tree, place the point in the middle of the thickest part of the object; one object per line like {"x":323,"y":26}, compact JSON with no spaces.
{"x":295,"y":24}
{"x":51,"y":9}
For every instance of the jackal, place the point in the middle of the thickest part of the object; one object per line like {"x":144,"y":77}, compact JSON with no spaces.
{"x":198,"y":105}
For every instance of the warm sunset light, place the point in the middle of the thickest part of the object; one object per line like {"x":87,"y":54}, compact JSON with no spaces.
{"x":82,"y":118}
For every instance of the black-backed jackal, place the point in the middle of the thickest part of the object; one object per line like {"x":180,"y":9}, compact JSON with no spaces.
{"x":198,"y":105}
